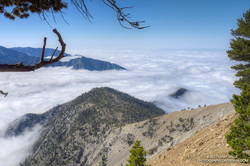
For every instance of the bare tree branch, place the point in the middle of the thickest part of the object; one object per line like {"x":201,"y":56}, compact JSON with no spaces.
{"x":53,"y":54}
{"x":122,"y":16}
{"x":23,"y":68}
{"x":43,"y":50}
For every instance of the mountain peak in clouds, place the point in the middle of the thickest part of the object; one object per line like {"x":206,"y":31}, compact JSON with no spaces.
{"x":179,"y":93}
{"x":89,"y":64}
{"x":29,"y":56}
{"x":76,"y":131}
{"x":123,"y":108}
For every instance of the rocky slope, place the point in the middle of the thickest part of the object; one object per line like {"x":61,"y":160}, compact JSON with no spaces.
{"x":164,"y":132}
{"x":207,"y":147}
{"x":99,"y":128}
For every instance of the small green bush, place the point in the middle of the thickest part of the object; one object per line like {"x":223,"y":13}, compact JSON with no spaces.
{"x":137,"y":155}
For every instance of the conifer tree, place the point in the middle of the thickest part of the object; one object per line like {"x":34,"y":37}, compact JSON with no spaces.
{"x":137,"y":155}
{"x":239,"y":135}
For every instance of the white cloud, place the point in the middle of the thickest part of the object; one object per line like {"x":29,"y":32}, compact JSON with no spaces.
{"x":152,"y":75}
{"x":15,"y":149}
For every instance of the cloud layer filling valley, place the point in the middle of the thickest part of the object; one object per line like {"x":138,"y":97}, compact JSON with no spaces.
{"x":152,"y":75}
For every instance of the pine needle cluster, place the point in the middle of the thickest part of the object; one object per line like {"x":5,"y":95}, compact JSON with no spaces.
{"x":22,"y":8}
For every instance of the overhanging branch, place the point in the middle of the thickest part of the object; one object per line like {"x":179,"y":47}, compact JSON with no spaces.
{"x":26,"y":68}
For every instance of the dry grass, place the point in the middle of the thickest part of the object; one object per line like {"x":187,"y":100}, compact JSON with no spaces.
{"x":207,"y":147}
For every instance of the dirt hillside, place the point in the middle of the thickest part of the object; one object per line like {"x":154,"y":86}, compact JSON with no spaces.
{"x":207,"y":147}
{"x":163,"y":132}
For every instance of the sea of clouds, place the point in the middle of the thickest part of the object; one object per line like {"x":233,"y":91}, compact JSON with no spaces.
{"x":152,"y":75}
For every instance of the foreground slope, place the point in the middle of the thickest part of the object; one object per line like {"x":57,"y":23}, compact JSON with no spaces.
{"x":163,"y":132}
{"x":207,"y":147}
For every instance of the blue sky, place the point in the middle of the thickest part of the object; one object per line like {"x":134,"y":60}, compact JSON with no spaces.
{"x":174,"y":24}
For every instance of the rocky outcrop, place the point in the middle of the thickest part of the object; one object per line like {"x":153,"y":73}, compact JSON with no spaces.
{"x":179,"y":93}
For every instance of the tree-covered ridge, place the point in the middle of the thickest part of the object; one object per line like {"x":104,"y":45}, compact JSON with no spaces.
{"x":239,"y":136}
{"x":120,"y":106}
{"x":75,"y":131}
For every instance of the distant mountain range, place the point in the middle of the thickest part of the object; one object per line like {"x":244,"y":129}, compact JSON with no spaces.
{"x":9,"y":56}
{"x":29,"y":56}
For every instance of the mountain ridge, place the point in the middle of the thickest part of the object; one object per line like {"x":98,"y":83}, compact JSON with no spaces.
{"x":9,"y":56}
{"x":28,"y":121}
{"x":76,"y":135}
{"x":30,"y":56}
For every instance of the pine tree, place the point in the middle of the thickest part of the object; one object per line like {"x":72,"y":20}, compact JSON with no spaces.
{"x":239,"y":135}
{"x":137,"y":155}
